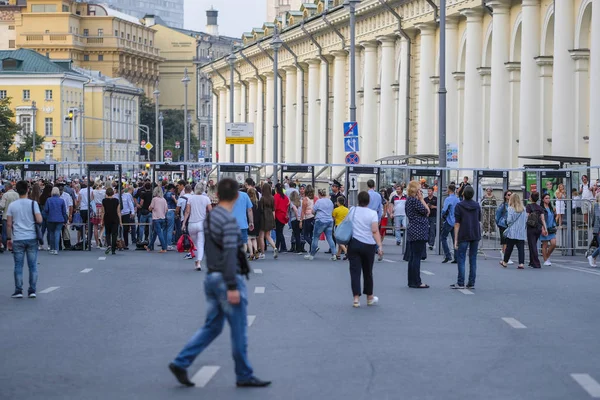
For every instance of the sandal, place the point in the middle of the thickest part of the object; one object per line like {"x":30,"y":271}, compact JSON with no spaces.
{"x":356,"y":304}
{"x":503,"y":264}
{"x":521,"y":266}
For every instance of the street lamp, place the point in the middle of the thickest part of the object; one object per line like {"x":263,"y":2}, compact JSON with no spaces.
{"x":162,"y":137}
{"x":351,"y":6}
{"x":231,"y":59}
{"x":276,"y":44}
{"x":34,"y":134}
{"x":442,"y":92}
{"x":185,"y":80}
{"x":189,"y":124}
{"x":156,"y":93}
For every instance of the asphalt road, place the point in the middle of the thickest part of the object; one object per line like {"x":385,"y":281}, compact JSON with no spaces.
{"x":111,"y":326}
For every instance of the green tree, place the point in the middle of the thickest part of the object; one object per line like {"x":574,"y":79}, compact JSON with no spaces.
{"x":8,"y":130}
{"x":147,"y":117}
{"x":27,"y":145}
{"x":173,"y":130}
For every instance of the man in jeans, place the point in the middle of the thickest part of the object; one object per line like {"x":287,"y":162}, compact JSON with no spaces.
{"x":8,"y":197}
{"x":431,"y":202}
{"x":226,"y":294}
{"x":171,"y":198}
{"x":448,"y":225}
{"x":22,"y":238}
{"x":467,"y":233}
{"x":145,"y":216}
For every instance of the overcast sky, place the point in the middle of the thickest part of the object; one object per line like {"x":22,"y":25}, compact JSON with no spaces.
{"x":235,"y":16}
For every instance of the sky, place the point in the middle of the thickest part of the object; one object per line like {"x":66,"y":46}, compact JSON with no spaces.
{"x":235,"y":16}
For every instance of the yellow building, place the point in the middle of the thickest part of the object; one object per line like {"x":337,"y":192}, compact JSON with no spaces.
{"x":92,"y":36}
{"x":41,"y":92}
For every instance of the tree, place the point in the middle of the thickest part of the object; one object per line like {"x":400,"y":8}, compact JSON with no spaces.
{"x":27,"y":145}
{"x":8,"y":130}
{"x":148,"y":118}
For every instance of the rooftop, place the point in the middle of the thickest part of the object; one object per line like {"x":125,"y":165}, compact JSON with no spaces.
{"x":23,"y":61}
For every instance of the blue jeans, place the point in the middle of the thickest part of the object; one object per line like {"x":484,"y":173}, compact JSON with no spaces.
{"x":461,"y":258}
{"x":597,"y":251}
{"x":219,"y":309}
{"x":158,"y":229}
{"x":308,"y":226}
{"x":399,"y":222}
{"x":20,"y":249}
{"x":447,"y":230}
{"x":432,"y":230}
{"x":321,"y":227}
{"x":4,"y":233}
{"x":170,"y":227}
{"x":54,"y":229}
{"x":144,"y":219}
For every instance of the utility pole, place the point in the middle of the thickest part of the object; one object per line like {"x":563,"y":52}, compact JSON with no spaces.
{"x":443,"y":91}
{"x":231,"y":59}
{"x":156,"y":93}
{"x":185,"y":80}
{"x":276,"y":44}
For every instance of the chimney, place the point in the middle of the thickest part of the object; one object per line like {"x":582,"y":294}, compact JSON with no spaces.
{"x":212,"y":26}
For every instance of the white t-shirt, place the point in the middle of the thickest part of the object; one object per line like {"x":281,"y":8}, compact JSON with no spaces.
{"x":182,"y":203}
{"x":83,"y":199}
{"x":23,"y":222}
{"x":198,"y":204}
{"x":362,"y":218}
{"x":399,"y":205}
{"x":66,"y":197}
{"x":586,"y":192}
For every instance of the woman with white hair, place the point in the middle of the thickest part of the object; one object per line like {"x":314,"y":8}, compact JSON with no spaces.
{"x":196,"y":210}
{"x":158,"y":207}
{"x":56,"y":212}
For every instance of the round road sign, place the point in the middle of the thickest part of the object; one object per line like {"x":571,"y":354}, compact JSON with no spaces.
{"x":54,"y":142}
{"x":168,"y":154}
{"x":352,"y":159}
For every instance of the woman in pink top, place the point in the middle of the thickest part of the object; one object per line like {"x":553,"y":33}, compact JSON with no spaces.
{"x":158,"y":207}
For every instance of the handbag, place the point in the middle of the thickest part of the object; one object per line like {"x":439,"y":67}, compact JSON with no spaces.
{"x":120,"y":241}
{"x":38,"y":227}
{"x":552,"y":230}
{"x":343,"y":233}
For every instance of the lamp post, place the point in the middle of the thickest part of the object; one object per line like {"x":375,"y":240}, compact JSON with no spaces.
{"x":156,"y":93}
{"x":276,"y":44}
{"x":33,"y":132}
{"x":231,"y":59}
{"x":162,"y":137}
{"x":185,"y":80}
{"x":443,"y":91}
{"x":351,"y":5}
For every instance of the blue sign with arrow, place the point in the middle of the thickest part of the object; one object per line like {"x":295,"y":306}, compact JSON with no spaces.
{"x":351,"y":144}
{"x":351,"y":129}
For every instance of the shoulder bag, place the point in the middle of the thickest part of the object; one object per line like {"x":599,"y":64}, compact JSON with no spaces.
{"x":343,"y":233}
{"x":38,"y":227}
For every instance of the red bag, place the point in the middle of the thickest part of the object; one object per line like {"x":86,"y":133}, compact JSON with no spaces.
{"x":185,"y":244}
{"x":383,"y":226}
{"x":322,"y":237}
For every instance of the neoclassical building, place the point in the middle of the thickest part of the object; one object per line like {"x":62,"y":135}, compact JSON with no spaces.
{"x":523,"y":79}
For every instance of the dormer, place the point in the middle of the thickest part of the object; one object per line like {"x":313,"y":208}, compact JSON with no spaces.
{"x":258,"y":33}
{"x":294,"y":17}
{"x":308,"y":9}
{"x":11,"y":64}
{"x":268,"y":28}
{"x":247,"y":38}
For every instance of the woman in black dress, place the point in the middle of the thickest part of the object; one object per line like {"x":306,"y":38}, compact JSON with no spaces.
{"x":112,"y":219}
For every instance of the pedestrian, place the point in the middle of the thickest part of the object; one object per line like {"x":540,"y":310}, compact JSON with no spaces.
{"x":398,"y":210}
{"x":489,"y":204}
{"x":254,"y":232}
{"x":548,"y":240}
{"x":586,"y":191}
{"x":182,"y":201}
{"x":242,"y":211}
{"x":196,"y":209}
{"x":171,"y":198}
{"x":111,"y":209}
{"x":361,"y":249}
{"x":158,"y":207}
{"x":8,"y":197}
{"x":323,"y":210}
{"x":98,"y":194}
{"x":295,"y":212}
{"x":448,"y":225}
{"x":500,"y":218}
{"x":128,"y":217}
{"x":56,"y":216}
{"x":145,"y":216}
{"x":417,"y":233}
{"x":225,"y":290}
{"x":22,"y":215}
{"x":68,"y":199}
{"x":282,"y":205}
{"x":431,"y":202}
{"x":339,"y":215}
{"x":467,"y":231}
{"x":462,"y":187}
{"x":516,"y":230}
{"x":594,"y":256}
{"x":46,"y":194}
{"x":560,"y":195}
{"x":307,"y":222}
{"x":536,"y":226}
{"x":267,"y":221}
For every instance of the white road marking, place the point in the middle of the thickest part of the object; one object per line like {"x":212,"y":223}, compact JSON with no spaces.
{"x":390,"y":261}
{"x":101,"y":258}
{"x":577,"y":269}
{"x":465,"y":291}
{"x":204,"y":375}
{"x":85,"y":271}
{"x":251,"y":319}
{"x":588,"y":384}
{"x":258,"y":271}
{"x":50,"y":289}
{"x":514,"y":323}
{"x":259,"y":289}
{"x":427,"y":272}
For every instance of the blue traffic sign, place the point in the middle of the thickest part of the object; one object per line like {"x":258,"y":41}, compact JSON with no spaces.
{"x":350,"y":129}
{"x":351,"y":144}
{"x":201,"y":153}
{"x":1,"y":167}
{"x":352,"y":159}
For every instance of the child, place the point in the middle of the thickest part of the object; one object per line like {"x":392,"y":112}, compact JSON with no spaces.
{"x":339,"y":214}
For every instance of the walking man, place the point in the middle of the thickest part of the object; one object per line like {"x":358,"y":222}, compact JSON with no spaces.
{"x":448,"y":225}
{"x":225,"y":290}
{"x":431,"y":202}
{"x":467,"y":233}
{"x":22,"y":238}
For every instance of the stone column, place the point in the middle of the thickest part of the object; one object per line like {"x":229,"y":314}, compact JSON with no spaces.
{"x":594,"y":143}
{"x":426,"y":137}
{"x":214,"y":134}
{"x":313,"y":134}
{"x":459,"y":77}
{"x":451,"y":84}
{"x":387,"y":137}
{"x":299,"y":143}
{"x":470,"y":153}
{"x":403,"y":100}
{"x":563,"y":91}
{"x":259,"y":127}
{"x":268,"y":141}
{"x":499,"y":103}
{"x":290,"y":114}
{"x":323,"y":107}
{"x":545,"y":65}
{"x":339,"y":106}
{"x":486,"y":88}
{"x":581,"y":58}
{"x":238,"y":117}
{"x":514,"y":111}
{"x":530,"y":142}
{"x":368,"y":130}
{"x":223,"y":118}
{"x":252,"y":118}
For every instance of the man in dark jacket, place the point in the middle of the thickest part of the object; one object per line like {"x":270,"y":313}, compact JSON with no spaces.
{"x":467,"y":233}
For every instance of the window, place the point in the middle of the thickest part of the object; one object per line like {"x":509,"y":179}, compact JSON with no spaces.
{"x":43,"y":8}
{"x":48,"y":94}
{"x":11,"y":44}
{"x":145,"y":41}
{"x":65,"y":8}
{"x":11,"y":27}
{"x":86,"y":32}
{"x":48,"y":126}
{"x":100,"y":57}
{"x":122,"y":35}
{"x":100,"y":32}
{"x":116,"y":32}
{"x":140,"y":39}
{"x":26,"y":94}
{"x":134,"y":38}
{"x":86,"y":57}
{"x":48,"y":154}
{"x":2,"y":94}
{"x":128,"y":36}
{"x":26,"y":124}
{"x":202,"y":132}
{"x":151,"y":43}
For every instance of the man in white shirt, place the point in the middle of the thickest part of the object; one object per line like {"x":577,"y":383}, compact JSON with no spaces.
{"x":128,"y":216}
{"x":66,"y":197}
{"x":5,"y":201}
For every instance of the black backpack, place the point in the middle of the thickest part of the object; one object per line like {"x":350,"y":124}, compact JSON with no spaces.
{"x":533,"y":220}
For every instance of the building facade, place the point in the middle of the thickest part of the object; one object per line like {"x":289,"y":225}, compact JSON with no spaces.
{"x":277,"y":8}
{"x":522,"y":80}
{"x":171,"y":11}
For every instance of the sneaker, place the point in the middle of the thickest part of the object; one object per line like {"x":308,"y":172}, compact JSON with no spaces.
{"x":334,"y":258}
{"x":591,"y":261}
{"x":275,"y":253}
{"x":430,"y":247}
{"x":510,"y":262}
{"x":261,"y":256}
{"x":547,"y":263}
{"x":17,"y":295}
{"x":328,"y":251}
{"x":398,"y":243}
{"x":456,"y":286}
{"x":373,"y":301}
{"x":188,"y":256}
{"x":181,"y":375}
{"x":253,"y":382}
{"x":454,"y":262}
{"x":309,"y":257}
{"x":32,"y":295}
{"x":317,"y":250}
{"x":356,"y":304}
{"x":445,"y":260}
{"x":107,"y":250}
{"x":170,"y":248}
{"x":470,"y":286}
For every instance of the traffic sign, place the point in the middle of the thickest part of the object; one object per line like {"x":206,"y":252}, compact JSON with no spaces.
{"x":148,"y":146}
{"x":168,"y":154}
{"x":177,"y":144}
{"x":352,"y":159}
{"x":203,"y":144}
{"x":201,"y":153}
{"x":142,"y":143}
{"x":353,"y":182}
{"x":351,"y":129}
{"x":1,"y":167}
{"x":239,"y":133}
{"x":54,"y":142}
{"x":350,"y":144}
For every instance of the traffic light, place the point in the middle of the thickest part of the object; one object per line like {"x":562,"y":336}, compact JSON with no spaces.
{"x":69,"y":116}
